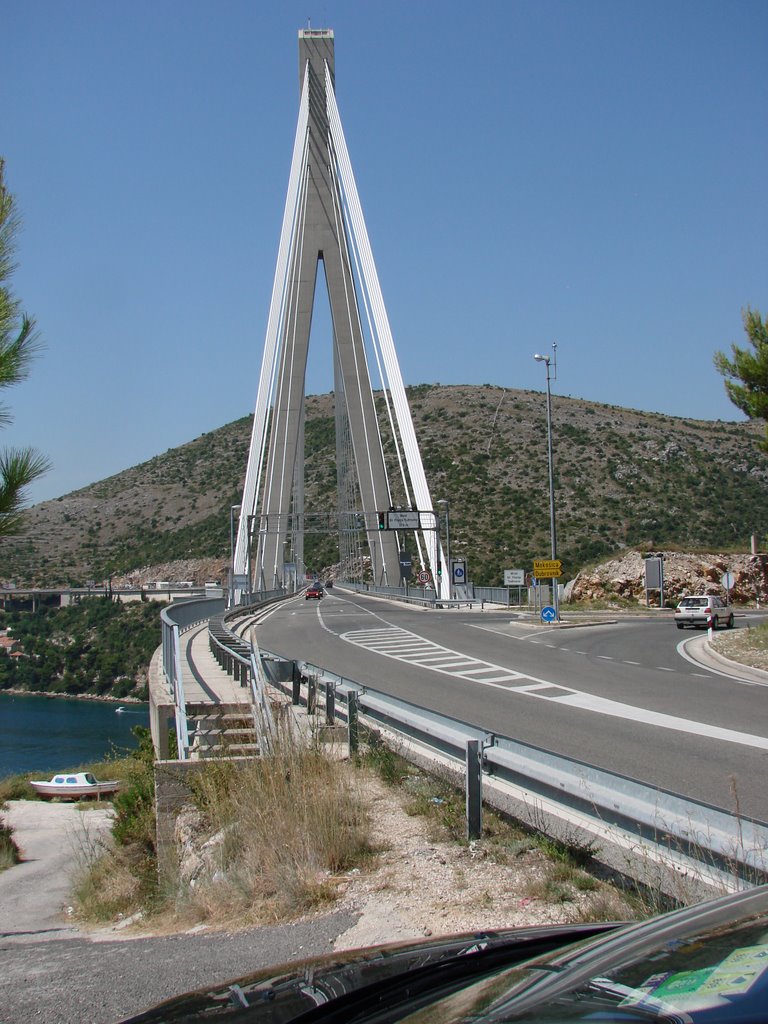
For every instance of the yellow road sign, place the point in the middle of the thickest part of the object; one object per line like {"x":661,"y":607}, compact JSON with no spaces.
{"x":549,"y":568}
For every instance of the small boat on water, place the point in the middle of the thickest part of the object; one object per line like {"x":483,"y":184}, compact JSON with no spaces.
{"x":75,"y":786}
{"x":119,"y":711}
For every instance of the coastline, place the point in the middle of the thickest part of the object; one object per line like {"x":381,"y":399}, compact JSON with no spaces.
{"x":105,"y":698}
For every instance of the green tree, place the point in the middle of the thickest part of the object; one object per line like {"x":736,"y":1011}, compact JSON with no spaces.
{"x":18,"y":344}
{"x":746,"y":373}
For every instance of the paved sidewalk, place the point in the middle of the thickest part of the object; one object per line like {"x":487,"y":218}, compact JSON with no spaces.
{"x":204,"y":679}
{"x":55,"y":841}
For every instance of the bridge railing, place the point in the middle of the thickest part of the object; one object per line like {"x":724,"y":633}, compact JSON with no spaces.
{"x":177,"y":617}
{"x":507,"y":597}
{"x":409,"y":595}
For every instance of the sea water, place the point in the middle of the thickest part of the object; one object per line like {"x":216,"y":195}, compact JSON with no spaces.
{"x":55,"y":734}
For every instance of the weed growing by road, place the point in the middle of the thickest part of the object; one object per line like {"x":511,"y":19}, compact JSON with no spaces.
{"x":561,"y":875}
{"x":9,"y":851}
{"x":279,"y":829}
{"x":120,"y":877}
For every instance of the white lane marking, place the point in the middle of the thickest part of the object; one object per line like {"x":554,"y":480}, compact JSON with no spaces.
{"x":608,"y":707}
{"x":542,"y":689}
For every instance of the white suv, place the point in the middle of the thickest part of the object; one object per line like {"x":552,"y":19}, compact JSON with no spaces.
{"x":697,"y":611}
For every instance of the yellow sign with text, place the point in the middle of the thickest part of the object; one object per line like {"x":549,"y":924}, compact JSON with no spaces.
{"x":547,"y":569}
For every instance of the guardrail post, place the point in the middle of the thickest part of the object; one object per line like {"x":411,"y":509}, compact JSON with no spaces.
{"x":311,"y":694}
{"x":474,"y":776}
{"x":296,"y":685}
{"x":353,"y":710}
{"x":330,"y":703}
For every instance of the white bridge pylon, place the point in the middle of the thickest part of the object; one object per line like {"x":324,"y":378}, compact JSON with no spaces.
{"x":323,"y":220}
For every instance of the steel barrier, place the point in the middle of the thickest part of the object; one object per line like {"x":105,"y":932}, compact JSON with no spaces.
{"x":642,"y":830}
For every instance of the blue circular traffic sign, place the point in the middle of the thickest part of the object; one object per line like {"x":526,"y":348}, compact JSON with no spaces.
{"x":548,"y":613}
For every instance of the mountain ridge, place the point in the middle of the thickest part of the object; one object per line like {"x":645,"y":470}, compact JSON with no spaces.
{"x":623,"y":479}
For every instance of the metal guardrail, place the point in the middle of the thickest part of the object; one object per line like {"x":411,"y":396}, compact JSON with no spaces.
{"x":726,"y":850}
{"x":409,"y":595}
{"x":228,"y":648}
{"x":507,"y":597}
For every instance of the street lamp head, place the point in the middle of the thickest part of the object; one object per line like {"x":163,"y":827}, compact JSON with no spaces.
{"x":541,"y":359}
{"x":442,"y":501}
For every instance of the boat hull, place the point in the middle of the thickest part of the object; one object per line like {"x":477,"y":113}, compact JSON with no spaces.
{"x":75,"y":791}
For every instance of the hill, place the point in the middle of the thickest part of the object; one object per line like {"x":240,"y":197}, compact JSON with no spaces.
{"x":624,"y":479}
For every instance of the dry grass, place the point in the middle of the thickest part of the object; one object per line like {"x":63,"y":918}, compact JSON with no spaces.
{"x":747,"y":646}
{"x":9,"y":851}
{"x":279,"y":829}
{"x":110,"y":881}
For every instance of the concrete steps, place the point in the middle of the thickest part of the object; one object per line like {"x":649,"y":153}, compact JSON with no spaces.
{"x":218,"y":731}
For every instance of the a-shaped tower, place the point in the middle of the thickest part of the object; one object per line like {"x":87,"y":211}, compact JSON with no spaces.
{"x":323,"y":221}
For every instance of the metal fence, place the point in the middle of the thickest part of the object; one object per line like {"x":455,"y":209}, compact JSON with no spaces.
{"x":507,"y":597}
{"x":174,"y":619}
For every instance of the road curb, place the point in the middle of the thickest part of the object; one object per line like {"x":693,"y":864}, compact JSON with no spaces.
{"x":701,"y":650}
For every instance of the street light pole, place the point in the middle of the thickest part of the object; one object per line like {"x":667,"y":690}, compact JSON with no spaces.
{"x":547,"y":360}
{"x":444,"y":501}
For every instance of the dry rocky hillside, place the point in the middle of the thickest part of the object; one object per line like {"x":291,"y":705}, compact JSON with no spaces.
{"x":624,"y":480}
{"x":624,"y":578}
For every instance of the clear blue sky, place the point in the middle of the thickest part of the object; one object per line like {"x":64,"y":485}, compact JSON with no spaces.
{"x":592,"y":173}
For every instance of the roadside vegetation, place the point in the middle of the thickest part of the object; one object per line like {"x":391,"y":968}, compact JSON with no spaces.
{"x":9,"y":851}
{"x":272,"y":839}
{"x":561,"y":873}
{"x":748,"y":645}
{"x":266,"y":837}
{"x":119,"y":877}
{"x":99,"y":647}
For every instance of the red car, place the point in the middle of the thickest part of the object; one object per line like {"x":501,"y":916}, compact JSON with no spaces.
{"x":314,"y":590}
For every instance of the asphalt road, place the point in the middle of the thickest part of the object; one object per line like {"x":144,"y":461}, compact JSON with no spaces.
{"x":78,"y":981}
{"x":618,"y":695}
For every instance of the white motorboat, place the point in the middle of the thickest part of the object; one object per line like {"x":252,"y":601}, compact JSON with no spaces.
{"x":74,"y":786}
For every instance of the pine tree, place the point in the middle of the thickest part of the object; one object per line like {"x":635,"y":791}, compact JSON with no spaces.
{"x":746,"y":374}
{"x":18,"y":343}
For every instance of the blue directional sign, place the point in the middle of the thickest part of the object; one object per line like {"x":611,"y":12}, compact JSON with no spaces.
{"x":548,"y":613}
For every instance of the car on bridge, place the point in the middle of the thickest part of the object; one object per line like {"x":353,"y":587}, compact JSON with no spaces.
{"x":697,"y":610}
{"x":314,"y":590}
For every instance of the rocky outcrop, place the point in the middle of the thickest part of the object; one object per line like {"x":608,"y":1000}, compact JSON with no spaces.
{"x":624,"y":578}
{"x":198,"y":571}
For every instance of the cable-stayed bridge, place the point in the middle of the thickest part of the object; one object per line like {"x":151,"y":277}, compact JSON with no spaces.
{"x":323,"y":223}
